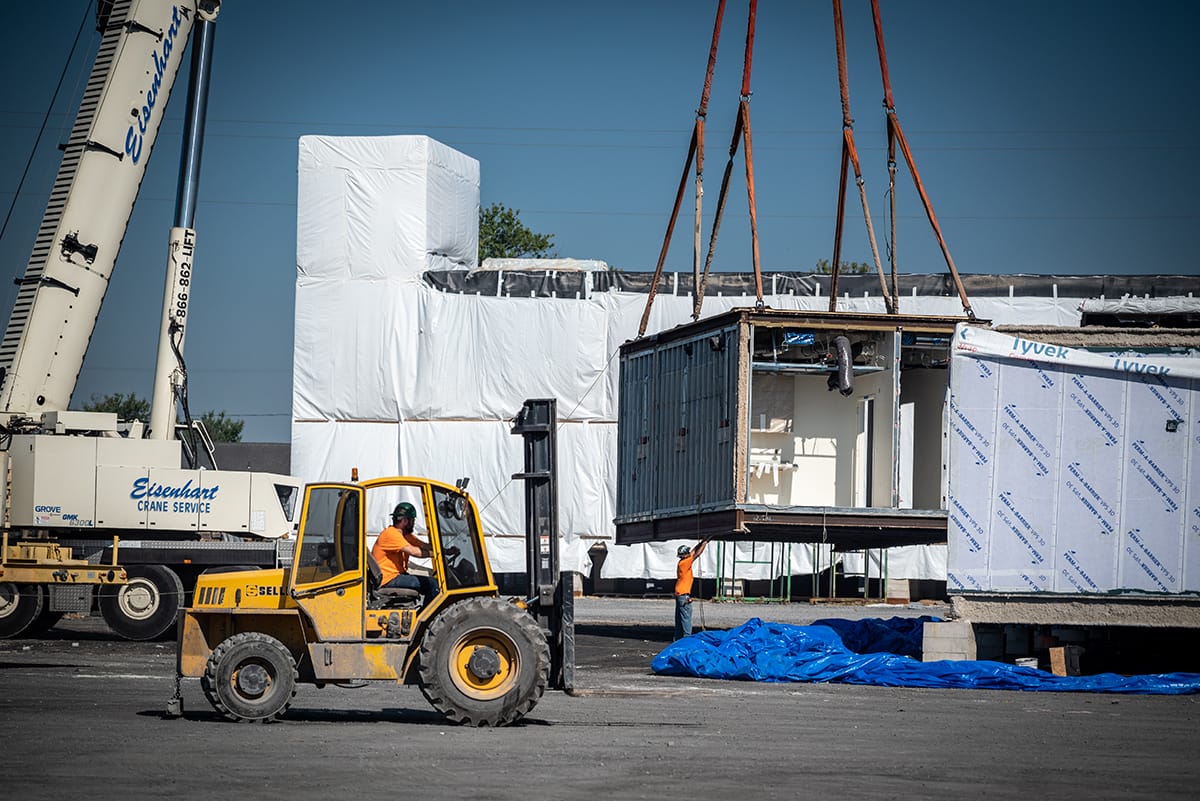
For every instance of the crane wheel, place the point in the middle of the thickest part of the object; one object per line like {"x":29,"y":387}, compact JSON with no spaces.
{"x":48,"y":618}
{"x":484,"y":662}
{"x":250,"y":678}
{"x":145,"y":608}
{"x":20,"y":607}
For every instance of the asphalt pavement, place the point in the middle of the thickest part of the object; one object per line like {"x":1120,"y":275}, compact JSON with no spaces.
{"x":83,"y":716}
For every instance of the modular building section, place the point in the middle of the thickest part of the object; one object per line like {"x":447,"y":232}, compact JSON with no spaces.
{"x":1076,"y":464}
{"x":792,"y":426}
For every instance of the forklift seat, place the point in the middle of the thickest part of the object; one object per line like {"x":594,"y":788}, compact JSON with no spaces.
{"x":387,"y":597}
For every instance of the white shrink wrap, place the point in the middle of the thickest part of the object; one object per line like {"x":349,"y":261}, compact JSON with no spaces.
{"x":394,"y":377}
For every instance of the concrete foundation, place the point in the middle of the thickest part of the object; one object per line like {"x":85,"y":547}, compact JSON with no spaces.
{"x":1067,"y":610}
{"x":1070,"y":635}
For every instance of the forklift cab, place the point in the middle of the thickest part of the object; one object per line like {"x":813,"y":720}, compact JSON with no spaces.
{"x":333,"y":578}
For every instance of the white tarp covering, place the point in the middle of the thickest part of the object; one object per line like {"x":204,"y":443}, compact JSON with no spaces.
{"x":394,"y":377}
{"x":552,"y":265}
{"x":384,"y":206}
{"x":1072,"y":471}
{"x":1141,"y":306}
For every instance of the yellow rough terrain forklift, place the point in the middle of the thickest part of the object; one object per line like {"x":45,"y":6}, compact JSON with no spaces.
{"x":251,"y":636}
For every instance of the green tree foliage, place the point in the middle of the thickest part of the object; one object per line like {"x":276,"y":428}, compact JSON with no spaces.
{"x":222,"y":428}
{"x":128,"y":408}
{"x":847,"y":268}
{"x":502,"y":235}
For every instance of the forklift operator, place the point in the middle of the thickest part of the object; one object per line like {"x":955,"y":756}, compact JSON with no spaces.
{"x":395,"y":545}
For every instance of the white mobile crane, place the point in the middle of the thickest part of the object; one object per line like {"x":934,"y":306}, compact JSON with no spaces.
{"x":82,"y":479}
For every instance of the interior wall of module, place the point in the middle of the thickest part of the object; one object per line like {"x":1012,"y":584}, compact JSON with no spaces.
{"x":813,"y":447}
{"x":1072,"y":471}
{"x":924,"y":389}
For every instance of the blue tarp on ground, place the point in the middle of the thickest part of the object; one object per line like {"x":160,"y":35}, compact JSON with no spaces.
{"x":874,"y":651}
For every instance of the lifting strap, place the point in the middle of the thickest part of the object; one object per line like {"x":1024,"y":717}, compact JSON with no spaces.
{"x":850,"y":156}
{"x":896,"y":135}
{"x":744,"y":114}
{"x":741,"y":131}
{"x":695,"y":150}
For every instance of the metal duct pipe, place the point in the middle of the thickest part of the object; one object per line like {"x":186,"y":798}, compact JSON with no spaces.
{"x":843,"y":379}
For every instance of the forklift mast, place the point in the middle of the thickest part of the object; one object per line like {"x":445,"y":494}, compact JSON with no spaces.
{"x":551,"y":593}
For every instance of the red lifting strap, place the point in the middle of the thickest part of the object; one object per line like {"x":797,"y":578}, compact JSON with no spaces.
{"x":695,"y":150}
{"x":850,"y":155}
{"x":744,"y":114}
{"x":749,"y":49}
{"x":896,"y":133}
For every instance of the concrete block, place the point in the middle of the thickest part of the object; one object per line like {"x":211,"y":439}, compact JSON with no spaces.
{"x":897,"y":591}
{"x":950,"y":640}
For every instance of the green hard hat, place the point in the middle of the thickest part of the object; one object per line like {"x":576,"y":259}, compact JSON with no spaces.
{"x":405,"y":510}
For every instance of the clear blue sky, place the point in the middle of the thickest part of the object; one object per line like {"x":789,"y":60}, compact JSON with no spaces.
{"x":1052,"y":137}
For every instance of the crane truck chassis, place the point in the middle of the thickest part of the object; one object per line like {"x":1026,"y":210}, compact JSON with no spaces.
{"x":40,"y":581}
{"x":79,"y":478}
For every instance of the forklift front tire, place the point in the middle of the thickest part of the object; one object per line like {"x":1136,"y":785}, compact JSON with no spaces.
{"x":250,"y":678}
{"x":484,"y":662}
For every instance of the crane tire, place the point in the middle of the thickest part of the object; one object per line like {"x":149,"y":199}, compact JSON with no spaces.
{"x":250,"y":678}
{"x":47,"y":619}
{"x":146,"y":606}
{"x":20,"y":607}
{"x":484,"y":662}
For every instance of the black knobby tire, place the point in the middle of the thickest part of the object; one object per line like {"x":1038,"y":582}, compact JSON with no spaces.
{"x":20,"y":607}
{"x":146,"y":606}
{"x":250,"y":678}
{"x":484,"y":662}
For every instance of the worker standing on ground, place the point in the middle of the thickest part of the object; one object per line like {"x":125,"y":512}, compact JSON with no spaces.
{"x":395,"y":545}
{"x":683,"y":587}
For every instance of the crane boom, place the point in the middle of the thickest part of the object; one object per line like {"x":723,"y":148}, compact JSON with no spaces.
{"x":102,"y":168}
{"x":80,"y":478}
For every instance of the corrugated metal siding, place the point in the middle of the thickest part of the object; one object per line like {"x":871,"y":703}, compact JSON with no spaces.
{"x":635,"y":432}
{"x":677,"y":426}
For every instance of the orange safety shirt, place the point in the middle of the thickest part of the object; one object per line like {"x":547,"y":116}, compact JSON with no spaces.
{"x":683,"y":575}
{"x":387,"y":552}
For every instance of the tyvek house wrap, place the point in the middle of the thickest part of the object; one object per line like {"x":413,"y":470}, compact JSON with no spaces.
{"x":394,"y":377}
{"x":1072,"y":471}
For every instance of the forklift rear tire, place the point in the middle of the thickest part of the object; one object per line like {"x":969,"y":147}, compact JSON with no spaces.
{"x":484,"y":662}
{"x":146,"y":606}
{"x":20,"y":607}
{"x":250,"y":678}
